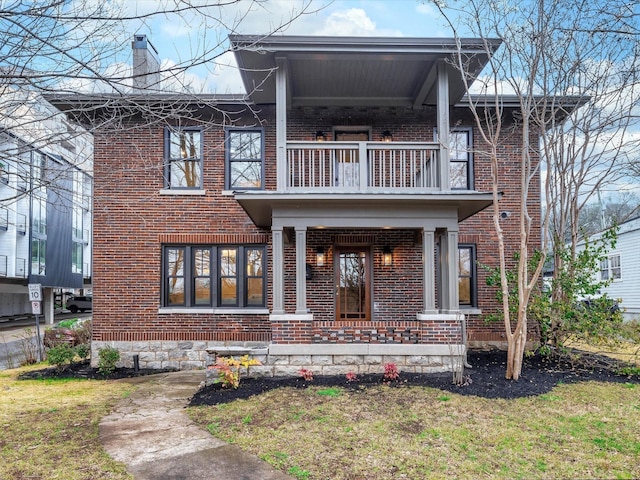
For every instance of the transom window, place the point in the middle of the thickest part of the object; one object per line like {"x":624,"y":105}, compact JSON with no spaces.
{"x":214,"y":276}
{"x":467,"y":283}
{"x":183,"y":158}
{"x":244,"y":159}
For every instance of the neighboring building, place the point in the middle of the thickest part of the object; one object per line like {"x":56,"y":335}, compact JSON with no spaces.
{"x":45,"y":203}
{"x":622,"y":268}
{"x":331,"y":219}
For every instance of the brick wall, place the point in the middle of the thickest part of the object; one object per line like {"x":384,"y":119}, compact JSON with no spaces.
{"x":132,"y":220}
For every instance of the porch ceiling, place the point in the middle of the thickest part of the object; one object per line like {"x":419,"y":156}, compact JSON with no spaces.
{"x":355,"y":71}
{"x":393,"y":210}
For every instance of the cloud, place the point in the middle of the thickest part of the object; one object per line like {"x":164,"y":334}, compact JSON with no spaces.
{"x":351,"y":22}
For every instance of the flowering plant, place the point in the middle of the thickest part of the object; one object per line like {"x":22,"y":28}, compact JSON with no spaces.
{"x":229,"y":369}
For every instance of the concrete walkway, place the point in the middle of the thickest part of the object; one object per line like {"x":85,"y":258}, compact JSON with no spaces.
{"x":150,"y":432}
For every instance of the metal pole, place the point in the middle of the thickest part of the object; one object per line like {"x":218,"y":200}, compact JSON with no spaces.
{"x":40,"y":352}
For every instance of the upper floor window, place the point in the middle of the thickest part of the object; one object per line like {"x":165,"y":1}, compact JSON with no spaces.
{"x":214,"y":276}
{"x":467,"y":279}
{"x":611,"y":268}
{"x":460,"y":158}
{"x":183,"y":158}
{"x":244,"y":159}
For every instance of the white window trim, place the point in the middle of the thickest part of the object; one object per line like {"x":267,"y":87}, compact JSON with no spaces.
{"x":213,"y":311}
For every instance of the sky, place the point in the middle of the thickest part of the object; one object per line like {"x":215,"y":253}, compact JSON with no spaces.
{"x":178,"y":38}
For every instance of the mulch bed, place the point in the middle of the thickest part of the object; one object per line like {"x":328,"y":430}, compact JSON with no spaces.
{"x":84,"y":370}
{"x":485,"y":379}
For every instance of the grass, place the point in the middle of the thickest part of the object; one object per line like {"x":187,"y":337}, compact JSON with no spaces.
{"x":584,"y":430}
{"x":50,"y":428}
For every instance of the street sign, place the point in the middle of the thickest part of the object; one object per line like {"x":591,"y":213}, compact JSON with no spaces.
{"x":35,"y":308}
{"x":35,"y":292}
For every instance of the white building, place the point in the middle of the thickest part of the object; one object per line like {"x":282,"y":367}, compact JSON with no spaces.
{"x":45,"y":202}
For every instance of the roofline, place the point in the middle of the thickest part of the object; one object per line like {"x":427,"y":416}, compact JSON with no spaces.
{"x":308,"y":43}
{"x":93,"y":98}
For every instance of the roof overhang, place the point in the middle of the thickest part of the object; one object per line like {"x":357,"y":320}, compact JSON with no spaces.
{"x":262,"y":205}
{"x":357,"y":71}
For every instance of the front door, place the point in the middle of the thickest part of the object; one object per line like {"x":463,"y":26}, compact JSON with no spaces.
{"x":347,"y":161}
{"x":353,"y":283}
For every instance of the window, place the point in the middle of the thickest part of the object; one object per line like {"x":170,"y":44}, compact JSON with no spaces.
{"x":38,"y":254}
{"x":467,"y":287}
{"x":183,"y":158}
{"x":460,"y":167}
{"x":4,"y":173}
{"x":4,"y":218}
{"x":214,"y":276}
{"x":76,"y":257}
{"x":244,"y":159}
{"x":610,"y":268}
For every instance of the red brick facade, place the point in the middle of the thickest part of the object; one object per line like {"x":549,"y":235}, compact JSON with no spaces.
{"x":132,"y":220}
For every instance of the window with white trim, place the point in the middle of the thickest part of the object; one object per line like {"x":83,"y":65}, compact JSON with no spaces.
{"x":222,"y":276}
{"x":611,"y":268}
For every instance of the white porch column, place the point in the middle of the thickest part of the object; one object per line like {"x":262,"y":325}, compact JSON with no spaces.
{"x":281,"y":124}
{"x":429,"y":271}
{"x":450,"y":302}
{"x":443,"y":124}
{"x":301,"y":270}
{"x":278,"y":268}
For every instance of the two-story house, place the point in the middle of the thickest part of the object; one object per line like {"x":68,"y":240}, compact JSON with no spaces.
{"x":332,"y":217}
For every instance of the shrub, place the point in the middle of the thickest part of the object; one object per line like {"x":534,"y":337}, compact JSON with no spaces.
{"x":306,"y":374}
{"x":229,"y":369}
{"x":107,"y":359}
{"x":60,"y":355}
{"x":391,"y":372}
{"x":83,"y":350}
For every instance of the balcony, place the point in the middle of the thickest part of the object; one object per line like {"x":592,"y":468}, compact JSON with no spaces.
{"x":363,"y":167}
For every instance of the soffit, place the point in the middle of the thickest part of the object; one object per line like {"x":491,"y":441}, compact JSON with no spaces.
{"x":351,"y":71}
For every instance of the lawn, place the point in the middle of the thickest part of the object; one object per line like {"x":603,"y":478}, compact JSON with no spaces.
{"x":50,"y":428}
{"x":582,"y":430}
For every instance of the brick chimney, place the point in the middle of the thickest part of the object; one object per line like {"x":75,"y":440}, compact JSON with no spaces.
{"x":146,"y":66}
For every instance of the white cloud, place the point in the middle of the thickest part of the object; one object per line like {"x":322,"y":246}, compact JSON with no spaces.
{"x":352,"y":22}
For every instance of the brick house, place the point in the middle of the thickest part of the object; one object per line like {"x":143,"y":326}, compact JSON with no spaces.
{"x":332,"y":218}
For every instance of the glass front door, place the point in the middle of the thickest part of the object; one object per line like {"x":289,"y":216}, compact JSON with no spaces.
{"x":353,"y":287}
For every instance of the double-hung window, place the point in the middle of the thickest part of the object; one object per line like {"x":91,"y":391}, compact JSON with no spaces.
{"x":214,"y":276}
{"x":183,"y":158}
{"x":467,"y":278}
{"x":244,"y":158}
{"x":460,"y":159}
{"x":610,"y":268}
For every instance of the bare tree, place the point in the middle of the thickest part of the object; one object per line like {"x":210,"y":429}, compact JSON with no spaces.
{"x":571,"y":67}
{"x":57,"y":47}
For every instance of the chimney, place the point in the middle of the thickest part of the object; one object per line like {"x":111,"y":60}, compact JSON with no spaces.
{"x":146,"y":66}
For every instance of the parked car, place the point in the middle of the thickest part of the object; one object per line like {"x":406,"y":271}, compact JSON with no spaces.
{"x":75,"y":304}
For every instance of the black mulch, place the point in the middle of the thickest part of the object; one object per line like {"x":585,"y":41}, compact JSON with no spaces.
{"x":84,"y":370}
{"x":485,"y":379}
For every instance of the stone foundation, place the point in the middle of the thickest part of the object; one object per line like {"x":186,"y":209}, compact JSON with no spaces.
{"x":286,"y":359}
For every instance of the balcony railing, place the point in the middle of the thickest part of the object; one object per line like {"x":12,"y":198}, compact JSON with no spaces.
{"x":363,"y":166}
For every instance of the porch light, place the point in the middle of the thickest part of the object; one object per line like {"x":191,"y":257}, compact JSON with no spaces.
{"x":320,"y":136}
{"x":319,"y":257}
{"x":387,"y":136}
{"x":387,"y":256}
